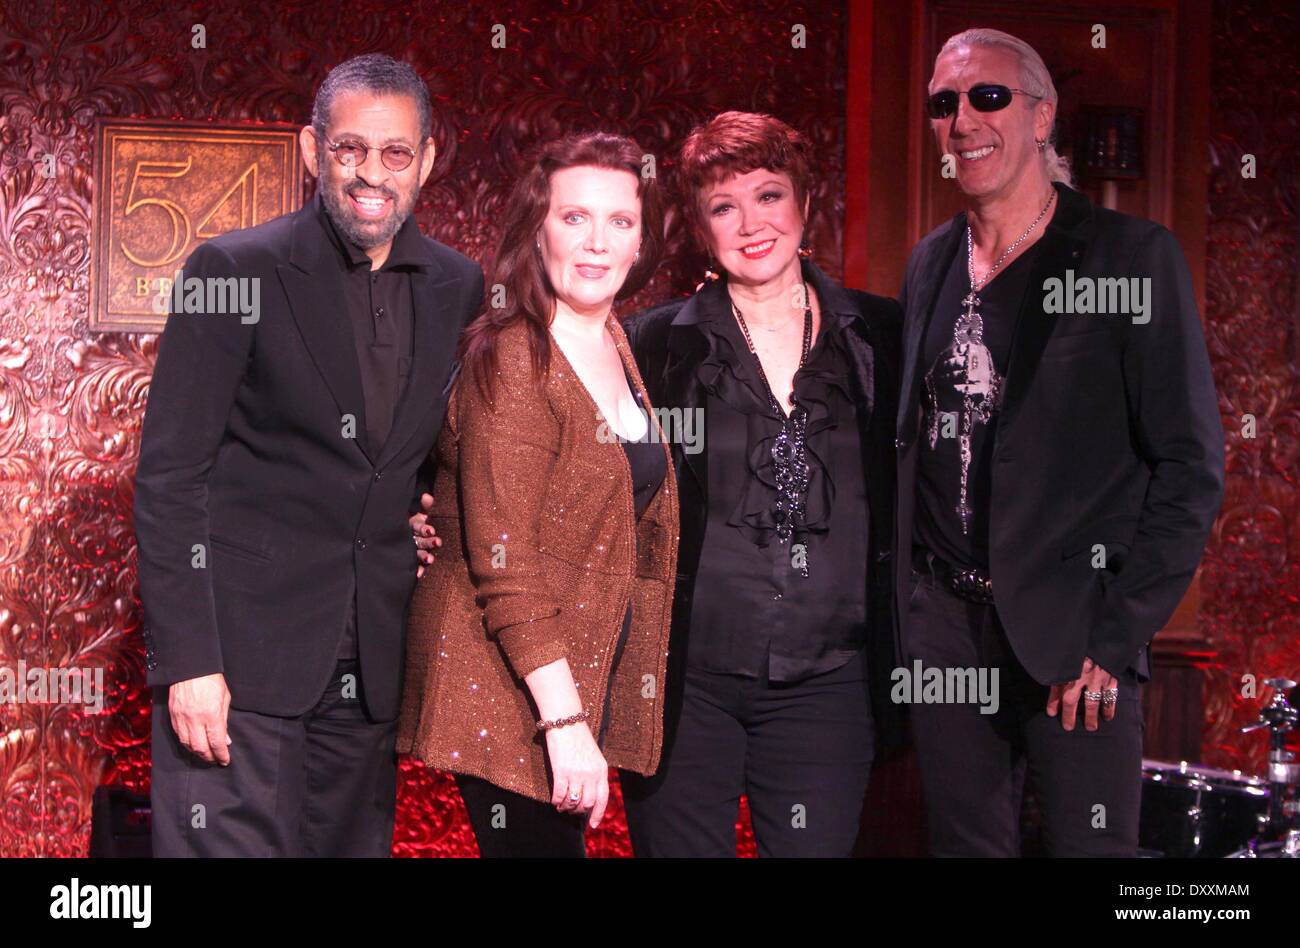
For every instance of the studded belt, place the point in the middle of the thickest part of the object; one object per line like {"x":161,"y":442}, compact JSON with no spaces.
{"x":971,"y":584}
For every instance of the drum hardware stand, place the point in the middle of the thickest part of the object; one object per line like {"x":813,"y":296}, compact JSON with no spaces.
{"x":1279,"y":828}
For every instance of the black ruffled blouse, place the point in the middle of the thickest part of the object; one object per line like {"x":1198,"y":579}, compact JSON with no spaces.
{"x":754,"y":613}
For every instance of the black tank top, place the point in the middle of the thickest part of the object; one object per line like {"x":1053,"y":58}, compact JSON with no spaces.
{"x":646,"y":459}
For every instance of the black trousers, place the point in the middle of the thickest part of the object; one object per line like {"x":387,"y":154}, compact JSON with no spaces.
{"x":511,"y":825}
{"x":320,"y":784}
{"x":801,"y":751}
{"x":974,"y":765}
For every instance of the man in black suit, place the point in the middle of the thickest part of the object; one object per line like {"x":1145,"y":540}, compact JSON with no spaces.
{"x":281,"y":455}
{"x":1060,"y":467}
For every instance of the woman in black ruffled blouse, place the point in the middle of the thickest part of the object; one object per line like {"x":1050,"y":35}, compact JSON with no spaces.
{"x":778,"y":389}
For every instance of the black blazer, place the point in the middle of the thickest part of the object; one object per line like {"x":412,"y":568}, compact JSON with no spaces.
{"x":1109,"y":434}
{"x":244,"y":460}
{"x":669,"y":348}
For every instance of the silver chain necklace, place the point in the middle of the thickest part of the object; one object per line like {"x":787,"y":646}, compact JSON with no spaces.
{"x":976,"y":286}
{"x":790,"y":468}
{"x":968,"y":336}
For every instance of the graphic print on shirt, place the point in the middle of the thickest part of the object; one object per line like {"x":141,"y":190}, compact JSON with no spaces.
{"x":963,"y":388}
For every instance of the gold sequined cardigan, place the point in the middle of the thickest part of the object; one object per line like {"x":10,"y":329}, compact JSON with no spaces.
{"x":541,"y":555}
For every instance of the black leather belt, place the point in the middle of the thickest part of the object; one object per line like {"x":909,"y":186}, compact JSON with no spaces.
{"x":972,"y":584}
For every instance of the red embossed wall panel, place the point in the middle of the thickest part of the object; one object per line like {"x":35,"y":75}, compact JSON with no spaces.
{"x":1250,"y":582}
{"x":71,"y":403}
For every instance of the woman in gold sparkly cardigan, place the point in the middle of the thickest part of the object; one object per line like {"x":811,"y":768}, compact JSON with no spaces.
{"x":538,"y":636}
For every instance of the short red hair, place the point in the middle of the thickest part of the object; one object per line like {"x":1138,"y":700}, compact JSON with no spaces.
{"x":733,"y":143}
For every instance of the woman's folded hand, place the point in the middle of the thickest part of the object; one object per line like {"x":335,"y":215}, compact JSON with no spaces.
{"x":581,"y":772}
{"x":426,"y":541}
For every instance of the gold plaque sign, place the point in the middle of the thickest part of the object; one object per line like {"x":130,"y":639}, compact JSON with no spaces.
{"x":164,"y":188}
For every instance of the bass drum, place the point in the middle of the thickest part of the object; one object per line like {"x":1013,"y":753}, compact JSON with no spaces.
{"x":1190,"y":811}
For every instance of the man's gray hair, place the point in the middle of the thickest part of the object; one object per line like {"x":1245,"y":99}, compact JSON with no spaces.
{"x":376,"y":73}
{"x":1034,"y":79}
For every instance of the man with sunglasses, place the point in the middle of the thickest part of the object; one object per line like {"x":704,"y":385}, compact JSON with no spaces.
{"x":279,"y":462}
{"x":1058,"y":474}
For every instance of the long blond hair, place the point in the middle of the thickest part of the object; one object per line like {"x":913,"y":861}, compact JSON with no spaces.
{"x":1034,"y":79}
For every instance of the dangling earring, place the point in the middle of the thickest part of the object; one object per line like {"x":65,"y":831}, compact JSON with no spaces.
{"x":1042,"y":145}
{"x":710,"y":275}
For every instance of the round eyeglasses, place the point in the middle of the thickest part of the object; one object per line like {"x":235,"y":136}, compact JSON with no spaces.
{"x":352,"y":153}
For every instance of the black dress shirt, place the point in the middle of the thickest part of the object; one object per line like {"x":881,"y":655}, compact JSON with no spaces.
{"x":754,"y":612}
{"x":379,"y":307}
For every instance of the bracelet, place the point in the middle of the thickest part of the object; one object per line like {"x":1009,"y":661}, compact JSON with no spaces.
{"x":562,"y":722}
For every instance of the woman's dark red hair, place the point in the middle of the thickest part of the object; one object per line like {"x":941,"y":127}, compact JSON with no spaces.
{"x":733,"y":143}
{"x":518,"y":267}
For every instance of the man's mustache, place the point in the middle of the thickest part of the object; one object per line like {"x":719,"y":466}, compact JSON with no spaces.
{"x":365,"y":191}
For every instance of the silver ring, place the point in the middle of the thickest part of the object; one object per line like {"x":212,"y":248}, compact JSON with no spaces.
{"x":1092,"y":696}
{"x":575,"y":797}
{"x":1110,"y":696}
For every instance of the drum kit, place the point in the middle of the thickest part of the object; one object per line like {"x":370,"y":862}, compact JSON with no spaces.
{"x":1190,"y":811}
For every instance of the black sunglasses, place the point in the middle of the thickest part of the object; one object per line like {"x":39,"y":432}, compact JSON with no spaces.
{"x":983,"y":98}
